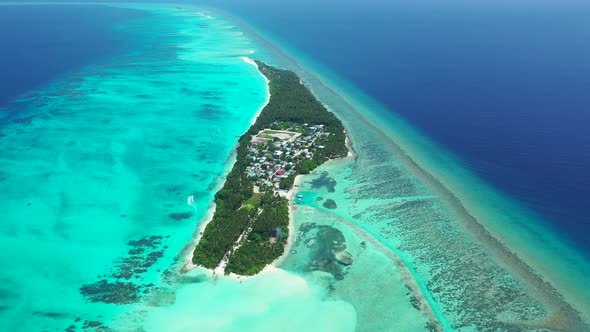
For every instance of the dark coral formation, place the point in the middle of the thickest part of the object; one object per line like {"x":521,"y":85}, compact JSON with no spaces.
{"x":325,"y":180}
{"x":180,"y":216}
{"x":325,"y":242}
{"x":330,"y":204}
{"x":88,"y":325}
{"x":26,"y":120}
{"x":147,"y":242}
{"x":111,"y":292}
{"x":49,"y":314}
{"x":116,"y":286}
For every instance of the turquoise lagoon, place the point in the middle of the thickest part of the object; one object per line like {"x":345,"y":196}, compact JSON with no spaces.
{"x":99,"y":165}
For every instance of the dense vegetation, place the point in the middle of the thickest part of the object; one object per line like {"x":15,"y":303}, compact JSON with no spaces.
{"x":230,"y":219}
{"x":264,"y":218}
{"x":258,"y":251}
{"x":293,"y":102}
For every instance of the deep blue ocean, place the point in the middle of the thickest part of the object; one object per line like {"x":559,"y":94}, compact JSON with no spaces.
{"x":41,"y":43}
{"x":505,"y":86}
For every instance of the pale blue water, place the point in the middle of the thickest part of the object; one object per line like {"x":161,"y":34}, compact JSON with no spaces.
{"x":98,"y":164}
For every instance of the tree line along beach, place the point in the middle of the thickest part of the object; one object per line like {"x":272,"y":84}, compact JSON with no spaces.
{"x":293,"y":134}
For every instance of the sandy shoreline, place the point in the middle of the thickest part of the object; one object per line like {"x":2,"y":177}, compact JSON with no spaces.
{"x":187,"y":252}
{"x":219,"y":270}
{"x":289,"y":196}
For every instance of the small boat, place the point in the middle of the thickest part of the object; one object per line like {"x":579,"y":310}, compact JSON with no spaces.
{"x":213,"y":136}
{"x":299,"y":196}
{"x":218,"y":131}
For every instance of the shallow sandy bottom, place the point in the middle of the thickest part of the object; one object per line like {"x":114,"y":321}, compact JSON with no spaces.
{"x":273,"y":298}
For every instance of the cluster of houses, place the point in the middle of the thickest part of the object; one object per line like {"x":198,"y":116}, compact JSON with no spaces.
{"x":274,"y":155}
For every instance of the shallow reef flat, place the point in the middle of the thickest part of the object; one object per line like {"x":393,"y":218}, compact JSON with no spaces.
{"x":470,"y":279}
{"x":367,"y":277}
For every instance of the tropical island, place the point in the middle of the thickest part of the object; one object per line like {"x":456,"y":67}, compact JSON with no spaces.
{"x":293,"y":134}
